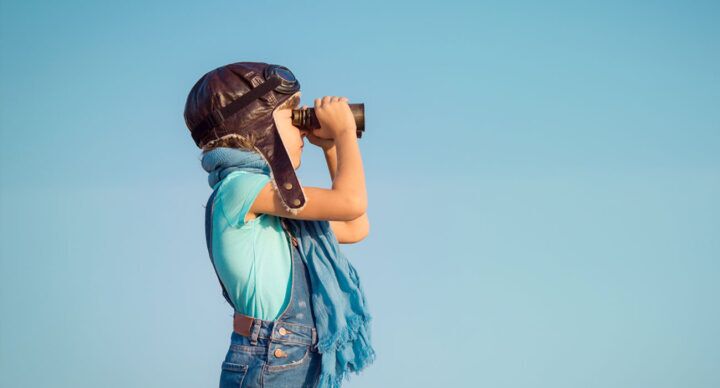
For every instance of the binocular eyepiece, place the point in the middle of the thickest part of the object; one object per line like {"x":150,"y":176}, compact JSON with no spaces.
{"x":306,"y":119}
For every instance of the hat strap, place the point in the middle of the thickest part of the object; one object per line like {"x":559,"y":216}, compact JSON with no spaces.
{"x":217,"y":116}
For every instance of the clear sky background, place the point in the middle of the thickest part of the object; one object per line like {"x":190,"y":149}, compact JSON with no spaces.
{"x":543,"y":182}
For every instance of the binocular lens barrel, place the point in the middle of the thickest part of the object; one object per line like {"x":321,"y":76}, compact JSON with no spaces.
{"x":306,"y":119}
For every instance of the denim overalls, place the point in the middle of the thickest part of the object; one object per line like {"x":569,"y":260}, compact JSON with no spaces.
{"x":280,"y":353}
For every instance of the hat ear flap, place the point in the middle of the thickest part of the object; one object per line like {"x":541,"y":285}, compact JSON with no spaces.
{"x":285,"y":181}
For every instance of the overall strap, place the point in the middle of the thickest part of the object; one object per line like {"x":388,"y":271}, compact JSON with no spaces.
{"x":292,"y":238}
{"x":208,"y":239}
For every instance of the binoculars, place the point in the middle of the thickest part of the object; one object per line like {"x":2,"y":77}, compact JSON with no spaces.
{"x":306,"y":119}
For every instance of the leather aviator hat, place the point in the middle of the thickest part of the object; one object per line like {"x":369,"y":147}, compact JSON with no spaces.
{"x":239,"y":99}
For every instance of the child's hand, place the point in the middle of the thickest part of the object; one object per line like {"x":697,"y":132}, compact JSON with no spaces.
{"x":323,"y":143}
{"x":335,"y":117}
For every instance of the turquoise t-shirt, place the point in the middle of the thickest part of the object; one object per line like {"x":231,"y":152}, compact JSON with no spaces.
{"x":252,"y":258}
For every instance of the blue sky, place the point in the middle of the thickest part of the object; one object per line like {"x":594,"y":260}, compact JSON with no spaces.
{"x":540,"y":177}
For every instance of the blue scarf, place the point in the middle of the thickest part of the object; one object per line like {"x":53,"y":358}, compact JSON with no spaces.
{"x":342,"y":319}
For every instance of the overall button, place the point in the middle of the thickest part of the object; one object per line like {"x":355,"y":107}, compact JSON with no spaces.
{"x":279,"y":353}
{"x":282,"y":331}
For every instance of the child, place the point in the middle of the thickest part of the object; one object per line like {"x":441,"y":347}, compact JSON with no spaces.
{"x":300,"y":313}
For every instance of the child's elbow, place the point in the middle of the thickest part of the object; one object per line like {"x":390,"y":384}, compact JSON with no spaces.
{"x":359,"y":234}
{"x":357,"y":207}
{"x":363,"y":233}
{"x":362,"y":228}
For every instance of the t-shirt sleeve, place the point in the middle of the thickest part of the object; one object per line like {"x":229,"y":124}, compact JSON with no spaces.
{"x":237,"y":193}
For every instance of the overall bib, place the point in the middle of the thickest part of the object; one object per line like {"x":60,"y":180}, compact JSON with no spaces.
{"x":279,"y":353}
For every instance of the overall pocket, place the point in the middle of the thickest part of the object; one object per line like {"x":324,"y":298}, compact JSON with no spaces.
{"x":284,"y":357}
{"x":232,"y":375}
{"x":239,"y":359}
{"x":301,"y":368}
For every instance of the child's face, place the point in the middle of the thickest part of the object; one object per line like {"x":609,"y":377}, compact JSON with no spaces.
{"x":292,"y":137}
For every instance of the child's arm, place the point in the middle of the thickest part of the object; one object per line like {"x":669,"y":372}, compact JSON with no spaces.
{"x":350,"y":232}
{"x":346,"y":232}
{"x":331,"y":159}
{"x":347,"y":199}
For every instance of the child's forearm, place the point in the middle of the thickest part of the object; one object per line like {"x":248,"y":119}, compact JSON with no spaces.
{"x":331,"y":159}
{"x":360,"y":226}
{"x":350,"y":176}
